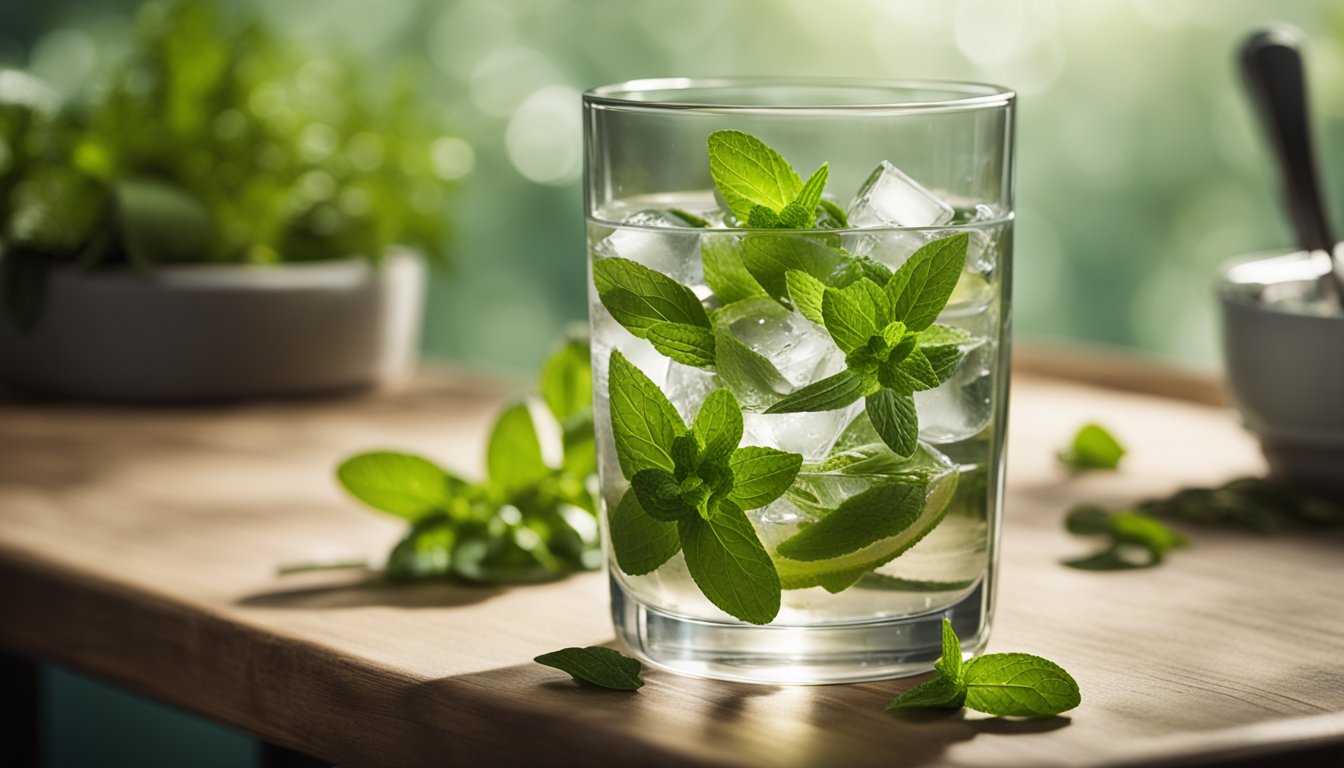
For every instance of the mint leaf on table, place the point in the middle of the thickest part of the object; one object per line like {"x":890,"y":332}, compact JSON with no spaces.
{"x":426,"y":551}
{"x":597,"y":666}
{"x":1018,"y":685}
{"x":1093,"y":447}
{"x":999,"y":684}
{"x":748,"y":174}
{"x":729,"y":564}
{"x":398,"y":483}
{"x":513,"y":455}
{"x":688,"y":492}
{"x":1133,"y":539}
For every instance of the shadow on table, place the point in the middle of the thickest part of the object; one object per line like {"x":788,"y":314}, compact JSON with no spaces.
{"x":676,"y":720}
{"x":372,"y":591}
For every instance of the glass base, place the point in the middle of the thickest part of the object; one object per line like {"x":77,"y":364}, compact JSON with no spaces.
{"x":795,"y":655}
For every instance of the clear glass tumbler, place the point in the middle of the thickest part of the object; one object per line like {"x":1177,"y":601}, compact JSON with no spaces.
{"x":800,"y":376}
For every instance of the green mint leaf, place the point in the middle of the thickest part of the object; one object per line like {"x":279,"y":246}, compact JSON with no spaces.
{"x":748,"y":173}
{"x":425,"y":552}
{"x":894,"y":418}
{"x":862,"y":519}
{"x":809,"y":197}
{"x":1116,"y":557}
{"x":597,"y":666}
{"x":687,"y":344}
{"x":1094,"y":447}
{"x":850,"y":317}
{"x":761,"y":475}
{"x":398,"y":483}
{"x":718,"y":426}
{"x":762,"y":217}
{"x":1018,"y":685}
{"x":835,"y":214}
{"x":751,"y":377}
{"x":805,"y":292}
{"x":725,"y":274}
{"x":643,"y":421}
{"x":1088,"y":520}
{"x":566,"y":383}
{"x":943,"y":335}
{"x":729,"y":564}
{"x":640,"y":542}
{"x":921,"y":287}
{"x":513,"y":455}
{"x":685,"y":453}
{"x":950,"y":664}
{"x":768,"y":256}
{"x":828,"y":394}
{"x":794,"y":216}
{"x":942,"y":346}
{"x":639,"y":297}
{"x":914,"y":373}
{"x":940,"y":692}
{"x":689,"y":218}
{"x":659,"y":495}
{"x":1138,"y":528}
{"x":875,"y":298}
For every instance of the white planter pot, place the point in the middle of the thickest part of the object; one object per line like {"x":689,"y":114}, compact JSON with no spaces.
{"x":207,"y":332}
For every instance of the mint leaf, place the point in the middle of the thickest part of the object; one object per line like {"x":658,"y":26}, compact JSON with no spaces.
{"x":639,"y":297}
{"x":425,"y":552}
{"x":862,"y":519}
{"x":805,"y":292}
{"x":835,"y":214}
{"x":748,"y":173}
{"x":921,"y":287}
{"x":810,"y":196}
{"x":769,"y":255}
{"x":1136,"y":540}
{"x":1138,"y":528}
{"x":1019,"y":685}
{"x":689,"y":218}
{"x":729,"y":564}
{"x":643,"y":422}
{"x":1093,"y":448}
{"x":725,"y":274}
{"x":687,"y":344}
{"x":794,"y":216}
{"x":659,"y":495}
{"x":718,"y":426}
{"x":513,"y":455}
{"x":940,"y":692}
{"x":894,"y":418}
{"x":827,"y":394}
{"x":641,"y":543}
{"x":762,"y":217}
{"x":761,"y":475}
{"x":950,"y":665}
{"x":566,"y":383}
{"x":751,"y":377}
{"x":850,"y":317}
{"x":598,"y":666}
{"x":398,"y":483}
{"x":914,"y":373}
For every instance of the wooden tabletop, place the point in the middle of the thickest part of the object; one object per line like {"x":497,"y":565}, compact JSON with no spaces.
{"x":141,"y":545}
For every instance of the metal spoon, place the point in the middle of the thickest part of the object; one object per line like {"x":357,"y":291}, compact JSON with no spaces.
{"x":1271,"y":65}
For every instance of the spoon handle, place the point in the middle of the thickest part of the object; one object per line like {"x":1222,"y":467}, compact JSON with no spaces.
{"x":1272,"y":67}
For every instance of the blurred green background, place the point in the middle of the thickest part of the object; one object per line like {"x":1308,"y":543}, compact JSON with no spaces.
{"x":1140,"y":168}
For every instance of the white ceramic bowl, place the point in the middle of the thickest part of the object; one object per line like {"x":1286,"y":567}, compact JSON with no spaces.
{"x":208,"y":332}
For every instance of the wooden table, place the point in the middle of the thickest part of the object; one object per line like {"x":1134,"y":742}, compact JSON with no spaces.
{"x":140,"y":546}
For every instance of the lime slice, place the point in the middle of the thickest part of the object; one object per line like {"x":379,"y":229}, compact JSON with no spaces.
{"x":840,"y":573}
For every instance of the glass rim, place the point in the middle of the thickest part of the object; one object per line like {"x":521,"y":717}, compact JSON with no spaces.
{"x":963,"y":95}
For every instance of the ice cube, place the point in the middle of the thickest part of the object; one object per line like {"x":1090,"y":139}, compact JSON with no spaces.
{"x":891,"y":248}
{"x":963,"y":405}
{"x":892,"y":199}
{"x":800,"y":350}
{"x":687,"y":387}
{"x":648,"y":237}
{"x":810,"y":434}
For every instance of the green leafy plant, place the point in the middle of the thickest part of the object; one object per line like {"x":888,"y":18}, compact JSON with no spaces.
{"x":526,"y":521}
{"x":999,"y":684}
{"x":598,"y":666}
{"x":215,"y":141}
{"x":1093,"y":447}
{"x":1134,"y":540}
{"x":689,"y":490}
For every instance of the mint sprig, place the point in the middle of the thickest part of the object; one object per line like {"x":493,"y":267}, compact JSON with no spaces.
{"x":689,"y":490}
{"x":892,"y":347}
{"x":596,"y":665}
{"x":999,"y":684}
{"x":758,"y":184}
{"x":1134,"y":540}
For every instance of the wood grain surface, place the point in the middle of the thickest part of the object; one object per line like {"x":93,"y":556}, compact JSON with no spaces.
{"x":140,"y":545}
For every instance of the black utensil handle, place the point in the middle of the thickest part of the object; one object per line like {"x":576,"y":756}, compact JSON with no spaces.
{"x":1272,"y":67}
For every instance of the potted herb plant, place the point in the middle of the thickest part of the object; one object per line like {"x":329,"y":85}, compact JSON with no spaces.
{"x":224,"y":217}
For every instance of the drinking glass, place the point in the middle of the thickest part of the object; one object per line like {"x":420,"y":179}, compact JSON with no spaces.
{"x":912,"y":167}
